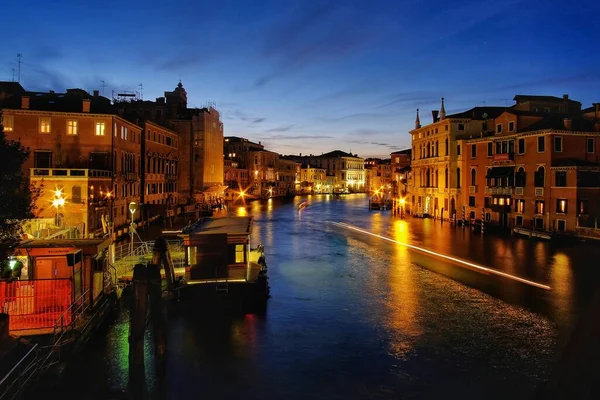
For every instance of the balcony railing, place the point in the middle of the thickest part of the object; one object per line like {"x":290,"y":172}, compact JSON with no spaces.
{"x":519,"y":191}
{"x":499,"y":190}
{"x":130,"y":176}
{"x":539,"y":191}
{"x":503,"y":157}
{"x":472,"y":189}
{"x":75,"y":173}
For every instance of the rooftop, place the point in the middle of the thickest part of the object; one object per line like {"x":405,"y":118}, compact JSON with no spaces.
{"x":226,"y":225}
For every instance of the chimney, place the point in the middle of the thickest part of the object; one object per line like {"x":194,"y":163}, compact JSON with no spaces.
{"x":434,"y":114}
{"x":86,"y":105}
{"x":96,"y":93}
{"x":568,"y":123}
{"x":25,"y":102}
{"x":565,"y":97}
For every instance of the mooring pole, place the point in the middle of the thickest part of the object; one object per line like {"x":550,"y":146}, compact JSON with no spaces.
{"x":156,"y":311}
{"x":137,"y":320}
{"x":162,"y":256}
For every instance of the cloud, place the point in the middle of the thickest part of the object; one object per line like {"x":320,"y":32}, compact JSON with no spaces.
{"x":312,"y":35}
{"x":584,"y":77}
{"x":387,"y":145}
{"x":258,"y":120}
{"x":297,"y":137}
{"x":354,"y":116}
{"x":283,"y":128}
{"x":413,"y":99}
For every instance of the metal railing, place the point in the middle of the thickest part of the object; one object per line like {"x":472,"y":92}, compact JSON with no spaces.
{"x":125,"y":259}
{"x":35,"y":304}
{"x":15,"y":381}
{"x":65,"y":324}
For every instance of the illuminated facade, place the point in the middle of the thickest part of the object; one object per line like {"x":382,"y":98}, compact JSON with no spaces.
{"x":436,"y":187}
{"x":313,"y":180}
{"x":537,"y":166}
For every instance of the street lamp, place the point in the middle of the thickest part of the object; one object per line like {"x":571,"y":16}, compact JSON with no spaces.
{"x":132,"y":209}
{"x":58,"y":201}
{"x":402,"y":202}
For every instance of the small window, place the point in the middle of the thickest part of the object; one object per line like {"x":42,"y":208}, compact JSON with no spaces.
{"x":461,"y":127}
{"x":534,"y":109}
{"x":100,"y":128}
{"x":76,"y":194}
{"x":473,"y":151}
{"x":521,"y":146}
{"x":490,"y":147}
{"x":511,"y":126}
{"x":561,"y":206}
{"x":539,"y":206}
{"x":71,"y":127}
{"x":458,"y":149}
{"x":590,"y":144}
{"x":560,"y":178}
{"x":42,"y":159}
{"x":240,"y":254}
{"x":561,"y":225}
{"x":547,"y":109}
{"x":471,"y":201}
{"x":446,"y":127}
{"x":541,"y":144}
{"x":558,"y":144}
{"x":583,"y":206}
{"x":8,"y":122}
{"x":44,"y":125}
{"x":519,"y":220}
{"x":499,"y":128}
{"x":520,"y":206}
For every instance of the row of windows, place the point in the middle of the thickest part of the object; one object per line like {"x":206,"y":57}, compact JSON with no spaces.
{"x":562,"y":205}
{"x":162,"y":139}
{"x":584,"y":178}
{"x":508,"y":146}
{"x":72,"y":127}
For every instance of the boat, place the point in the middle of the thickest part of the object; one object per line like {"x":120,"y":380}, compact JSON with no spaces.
{"x":302,"y":205}
{"x":531,"y":233}
{"x":219,"y":258}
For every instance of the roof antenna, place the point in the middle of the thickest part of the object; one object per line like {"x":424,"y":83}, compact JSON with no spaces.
{"x":19,"y":56}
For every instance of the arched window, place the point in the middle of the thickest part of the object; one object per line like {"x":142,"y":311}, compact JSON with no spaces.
{"x":458,"y":177}
{"x":437,"y":148}
{"x":446,"y":178}
{"x":540,"y":177}
{"x":427,"y":178}
{"x":428,"y":150}
{"x":473,"y":176}
{"x":447,"y":147}
{"x":520,"y":177}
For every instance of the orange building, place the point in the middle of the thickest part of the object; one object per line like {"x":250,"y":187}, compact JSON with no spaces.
{"x":537,"y":167}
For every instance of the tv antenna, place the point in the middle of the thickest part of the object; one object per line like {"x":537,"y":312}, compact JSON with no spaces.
{"x":19,"y":56}
{"x":13,"y":74}
{"x":103,"y":86}
{"x":141,"y":91}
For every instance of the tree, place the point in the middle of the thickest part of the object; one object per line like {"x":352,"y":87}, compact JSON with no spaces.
{"x":16,"y":196}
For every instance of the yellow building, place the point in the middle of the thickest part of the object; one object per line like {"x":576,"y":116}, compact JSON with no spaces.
{"x":435,"y":188}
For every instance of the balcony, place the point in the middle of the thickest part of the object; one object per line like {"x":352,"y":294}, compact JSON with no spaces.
{"x":472,"y":189}
{"x":130,"y":176}
{"x":73,"y":173}
{"x":519,"y":191}
{"x":171,"y":177}
{"x":539,"y":191}
{"x":503,"y":157}
{"x":499,"y":190}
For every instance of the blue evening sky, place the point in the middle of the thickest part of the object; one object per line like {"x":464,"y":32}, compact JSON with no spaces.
{"x":307,"y":76}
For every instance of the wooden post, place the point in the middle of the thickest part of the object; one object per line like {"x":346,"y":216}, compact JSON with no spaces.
{"x":4,"y":324}
{"x":137,"y":320}
{"x":156,"y":311}
{"x":162,"y":256}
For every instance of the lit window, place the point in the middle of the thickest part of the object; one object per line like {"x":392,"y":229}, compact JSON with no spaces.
{"x":239,"y":253}
{"x":539,"y":206}
{"x":561,"y":206}
{"x":8,"y":122}
{"x":44,"y":125}
{"x":71,"y":127}
{"x":100,"y":128}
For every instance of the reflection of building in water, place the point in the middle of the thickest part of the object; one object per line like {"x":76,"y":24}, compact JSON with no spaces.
{"x":403,"y":301}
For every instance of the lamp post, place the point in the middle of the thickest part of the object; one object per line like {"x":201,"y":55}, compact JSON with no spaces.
{"x":58,"y":201}
{"x":132,"y":209}
{"x":402,"y":202}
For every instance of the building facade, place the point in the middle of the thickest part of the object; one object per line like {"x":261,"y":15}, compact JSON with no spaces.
{"x":538,"y":169}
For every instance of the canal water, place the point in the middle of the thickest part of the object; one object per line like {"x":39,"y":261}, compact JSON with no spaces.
{"x":356,"y":316}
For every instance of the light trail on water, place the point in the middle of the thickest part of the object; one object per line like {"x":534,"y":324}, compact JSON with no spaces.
{"x":472,"y":266}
